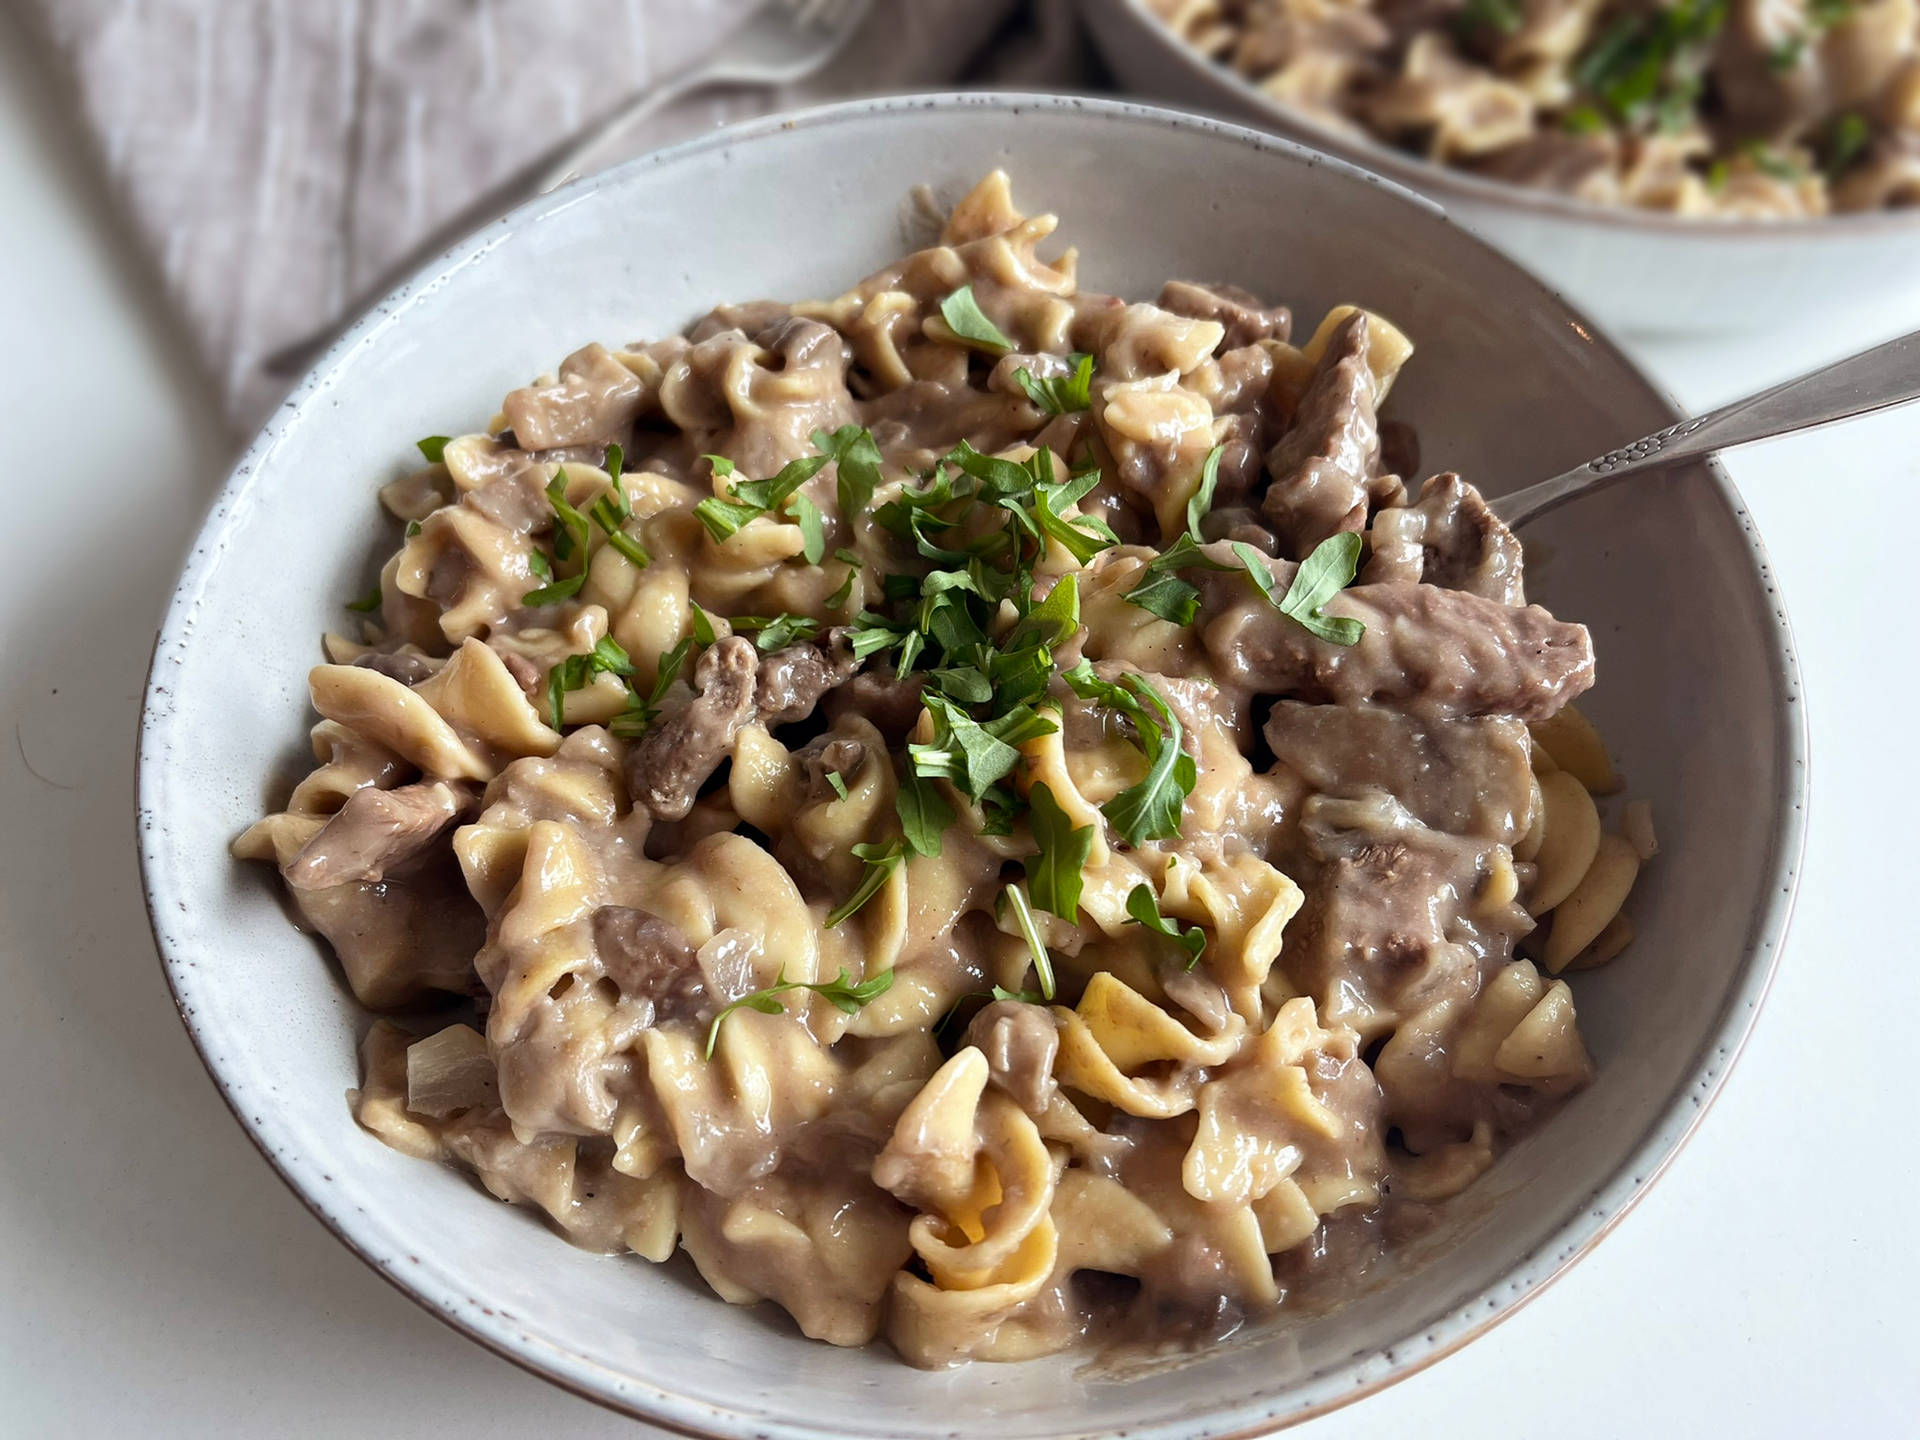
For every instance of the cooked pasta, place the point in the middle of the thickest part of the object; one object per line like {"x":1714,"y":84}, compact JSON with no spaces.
{"x":1750,"y":109}
{"x":986,"y":814}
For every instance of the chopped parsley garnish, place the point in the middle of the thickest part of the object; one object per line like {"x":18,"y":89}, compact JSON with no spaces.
{"x":1583,"y":119}
{"x":367,"y":603}
{"x":858,"y":466}
{"x":1648,"y":65}
{"x":1501,"y":16}
{"x":574,"y":672}
{"x":837,"y":783}
{"x":813,"y":530}
{"x":1321,"y":576}
{"x":1060,"y":394}
{"x":1016,"y":899}
{"x":643,"y":710}
{"x":434,"y":448}
{"x":1143,"y":906}
{"x":1053,"y":872}
{"x":1772,"y":163}
{"x":841,"y":991}
{"x":776,"y":632}
{"x":1845,"y":139}
{"x":750,"y":499}
{"x":413,"y":529}
{"x":701,"y":624}
{"x":881,"y":862}
{"x":966,"y":319}
{"x":612,"y":510}
{"x":572,"y":541}
{"x":1160,"y":590}
{"x":1201,"y":501}
{"x":971,"y":755}
{"x":1151,"y":809}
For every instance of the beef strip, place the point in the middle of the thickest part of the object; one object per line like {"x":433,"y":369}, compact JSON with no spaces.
{"x":1450,"y":538}
{"x":892,"y":704}
{"x":379,"y":833}
{"x":1322,"y":466}
{"x":1245,"y":318}
{"x":1464,"y":777}
{"x":652,"y":962}
{"x":734,"y":686}
{"x":791,"y":681}
{"x":1388,"y":923}
{"x":593,"y":398}
{"x":666,"y":769}
{"x":1019,"y":1041}
{"x":1445,"y":653}
{"x":409,"y":664}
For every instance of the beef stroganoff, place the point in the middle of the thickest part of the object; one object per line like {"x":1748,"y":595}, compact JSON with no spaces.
{"x":985,"y":813}
{"x":1742,"y":108}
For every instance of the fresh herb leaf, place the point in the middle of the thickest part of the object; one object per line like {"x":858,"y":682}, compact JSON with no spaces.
{"x":1160,"y":590}
{"x":1501,"y":16}
{"x":434,"y":448}
{"x":841,"y":991}
{"x":1321,"y":576}
{"x":813,"y":531}
{"x":1151,"y":810}
{"x":723,"y":518}
{"x":749,"y":499}
{"x":1144,"y":907}
{"x":367,"y":603}
{"x":962,"y":750}
{"x":1846,"y":138}
{"x":701,"y":624}
{"x":553,"y":594}
{"x":413,"y":529}
{"x":845,"y":592}
{"x":538,"y":563}
{"x":1082,"y":536}
{"x":1030,"y":930}
{"x":1772,"y":163}
{"x":642,"y":711}
{"x":882,"y":861}
{"x":616,"y":467}
{"x":837,"y":783}
{"x":1583,"y":120}
{"x":1060,"y":394}
{"x":858,"y":461}
{"x":573,"y":673}
{"x":966,"y":319}
{"x":778,"y":632}
{"x":924,"y":813}
{"x":1054,"y":873}
{"x":1201,"y":500}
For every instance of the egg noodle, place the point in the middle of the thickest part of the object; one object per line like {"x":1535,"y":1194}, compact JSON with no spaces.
{"x":986,"y":814}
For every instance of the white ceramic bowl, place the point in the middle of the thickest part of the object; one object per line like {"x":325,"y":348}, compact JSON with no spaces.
{"x":1634,"y":269}
{"x":1698,"y":692}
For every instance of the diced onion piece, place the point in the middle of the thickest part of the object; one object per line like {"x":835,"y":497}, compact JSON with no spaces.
{"x":450,"y":1071}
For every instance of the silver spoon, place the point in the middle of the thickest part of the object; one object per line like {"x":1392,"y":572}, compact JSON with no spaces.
{"x":1886,"y":375}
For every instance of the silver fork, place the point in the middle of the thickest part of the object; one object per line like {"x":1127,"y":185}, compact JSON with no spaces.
{"x":782,"y":42}
{"x":1886,"y":375}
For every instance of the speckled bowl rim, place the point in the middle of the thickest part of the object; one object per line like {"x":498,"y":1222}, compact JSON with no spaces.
{"x":1318,"y":1393}
{"x":1445,"y":182}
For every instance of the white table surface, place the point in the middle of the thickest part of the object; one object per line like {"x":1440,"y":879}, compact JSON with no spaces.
{"x":156,"y":1278}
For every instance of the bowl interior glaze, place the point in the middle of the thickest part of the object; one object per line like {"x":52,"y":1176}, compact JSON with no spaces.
{"x":1507,"y":385}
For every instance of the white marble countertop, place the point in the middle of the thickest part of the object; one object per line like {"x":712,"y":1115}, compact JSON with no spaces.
{"x":155,"y":1277}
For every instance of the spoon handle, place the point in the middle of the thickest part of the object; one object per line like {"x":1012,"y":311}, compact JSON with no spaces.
{"x":1887,"y":375}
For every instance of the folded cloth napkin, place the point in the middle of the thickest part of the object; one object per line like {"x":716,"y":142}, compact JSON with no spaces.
{"x":277,"y":156}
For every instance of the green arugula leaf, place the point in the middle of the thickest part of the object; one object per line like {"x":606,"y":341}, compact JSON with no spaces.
{"x":924,"y":813}
{"x":538,"y":563}
{"x":1150,"y":810}
{"x":1060,"y":394}
{"x":966,"y":319}
{"x":1321,"y":576}
{"x":962,"y":750}
{"x":702,"y":626}
{"x":1144,"y":908}
{"x":845,"y":592}
{"x":813,"y":532}
{"x":553,"y":594}
{"x":1030,"y":930}
{"x":434,"y":448}
{"x":1054,"y":873}
{"x":858,"y":458}
{"x":776,"y":633}
{"x":841,"y":991}
{"x":1160,"y":590}
{"x":573,"y":673}
{"x":1202,"y":499}
{"x":882,"y":861}
{"x":641,"y":712}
